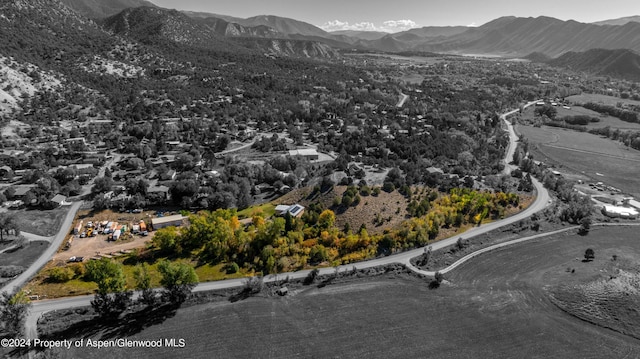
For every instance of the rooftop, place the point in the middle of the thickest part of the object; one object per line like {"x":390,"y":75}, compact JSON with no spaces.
{"x":174,"y":218}
{"x":303,"y":152}
{"x":58,"y":198}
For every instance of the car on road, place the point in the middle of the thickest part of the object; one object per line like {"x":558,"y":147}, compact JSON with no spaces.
{"x":75,"y":259}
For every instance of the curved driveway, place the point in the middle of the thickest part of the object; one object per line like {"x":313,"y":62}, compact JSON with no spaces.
{"x":541,"y":202}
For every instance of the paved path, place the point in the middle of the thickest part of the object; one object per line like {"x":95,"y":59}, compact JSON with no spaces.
{"x":470,"y":256}
{"x":20,"y":280}
{"x":513,"y":139}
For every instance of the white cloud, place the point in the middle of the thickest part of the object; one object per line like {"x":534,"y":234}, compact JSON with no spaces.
{"x":387,"y":26}
{"x":398,"y":25}
{"x":337,"y":25}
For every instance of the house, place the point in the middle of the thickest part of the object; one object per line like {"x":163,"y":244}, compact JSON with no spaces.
{"x":308,"y":153}
{"x":434,"y":170}
{"x":58,"y":199}
{"x":295,"y":210}
{"x":159,"y":192}
{"x":20,"y":191}
{"x":162,"y":222}
{"x":169,"y":175}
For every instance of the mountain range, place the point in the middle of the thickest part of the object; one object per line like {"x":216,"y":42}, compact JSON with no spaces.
{"x":619,"y":63}
{"x":98,"y":9}
{"x":620,"y":21}
{"x":505,"y":36}
{"x":142,"y":21}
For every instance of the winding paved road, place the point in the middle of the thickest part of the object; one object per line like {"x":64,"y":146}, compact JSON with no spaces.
{"x":20,"y":280}
{"x":513,"y":139}
{"x":541,"y":202}
{"x":57,"y":240}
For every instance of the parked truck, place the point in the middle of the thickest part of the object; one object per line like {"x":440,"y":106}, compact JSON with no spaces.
{"x":116,"y":235}
{"x":143,"y":226}
{"x":107,"y":228}
{"x":78,"y":228}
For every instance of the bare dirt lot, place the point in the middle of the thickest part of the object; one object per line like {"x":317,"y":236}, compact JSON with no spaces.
{"x":494,"y":306}
{"x":99,"y":246}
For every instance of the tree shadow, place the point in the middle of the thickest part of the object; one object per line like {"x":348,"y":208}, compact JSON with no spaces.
{"x":134,"y":323}
{"x":241,"y":295}
{"x":117,"y":327}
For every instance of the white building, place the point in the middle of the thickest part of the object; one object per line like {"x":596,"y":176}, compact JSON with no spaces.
{"x":295,"y":210}
{"x":308,"y":153}
{"x":620,"y":212}
{"x":161,"y":222}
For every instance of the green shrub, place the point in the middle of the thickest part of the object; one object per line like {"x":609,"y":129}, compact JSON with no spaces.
{"x":78,"y":270}
{"x":232,"y":268}
{"x":61,"y":274}
{"x":388,"y":187}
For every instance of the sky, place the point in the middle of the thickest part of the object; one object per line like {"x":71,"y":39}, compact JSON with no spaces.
{"x":400,"y":15}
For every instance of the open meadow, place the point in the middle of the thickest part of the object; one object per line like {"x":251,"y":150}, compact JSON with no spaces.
{"x":497,"y":305}
{"x":599,"y":158}
{"x":40,"y":222}
{"x":14,"y":260}
{"x":603,"y":99}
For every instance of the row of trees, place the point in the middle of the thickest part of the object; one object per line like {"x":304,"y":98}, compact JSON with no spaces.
{"x":113,"y":297}
{"x":624,"y":115}
{"x":287,"y":243}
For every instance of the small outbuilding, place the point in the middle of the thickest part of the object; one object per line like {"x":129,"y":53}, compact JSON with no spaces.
{"x":58,"y":199}
{"x":162,"y":222}
{"x":620,"y":212}
{"x":308,"y":153}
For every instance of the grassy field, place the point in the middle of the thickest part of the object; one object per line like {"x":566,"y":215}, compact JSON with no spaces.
{"x":14,"y":261}
{"x":268,"y":209}
{"x":604,"y":99}
{"x":495,"y":306}
{"x":42,"y":223}
{"x":40,"y":284}
{"x":564,"y":138}
{"x":586,"y":154}
{"x":605,"y":120}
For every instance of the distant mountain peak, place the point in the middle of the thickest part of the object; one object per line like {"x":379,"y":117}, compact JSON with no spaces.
{"x":620,"y":21}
